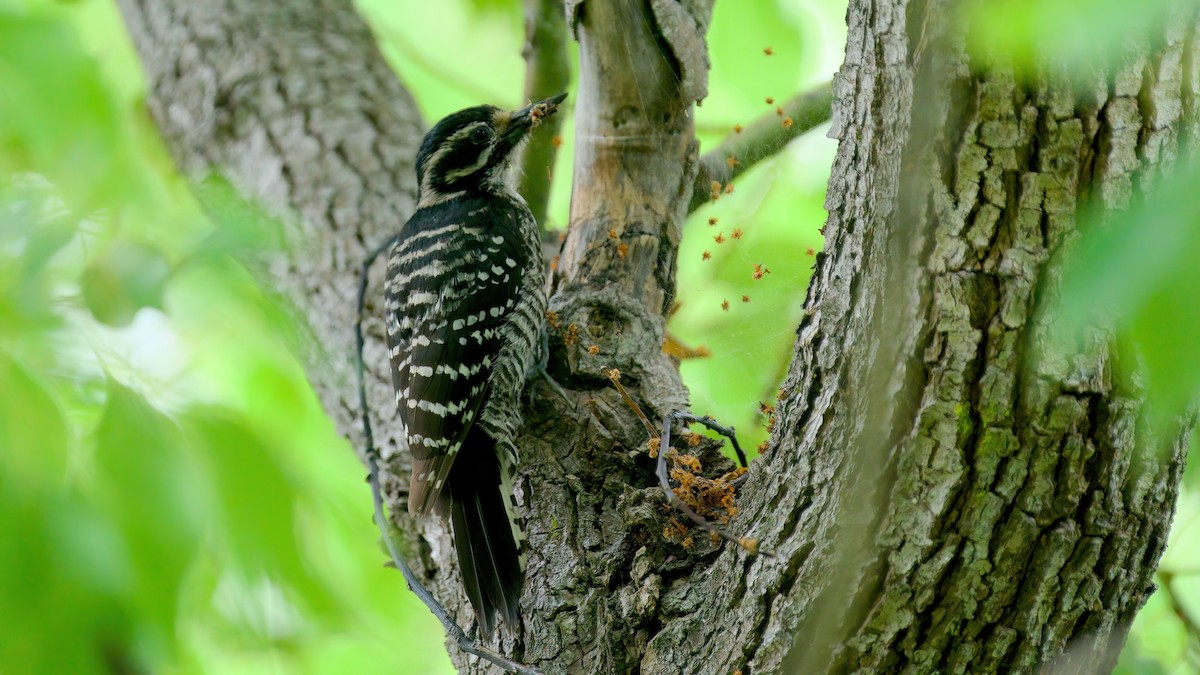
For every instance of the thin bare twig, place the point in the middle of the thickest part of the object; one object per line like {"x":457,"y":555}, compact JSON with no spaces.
{"x":763,"y":138}
{"x":455,"y":631}
{"x":614,"y":376}
{"x":1168,"y":590}
{"x":547,"y":73}
{"x":664,"y":447}
{"x":727,"y":432}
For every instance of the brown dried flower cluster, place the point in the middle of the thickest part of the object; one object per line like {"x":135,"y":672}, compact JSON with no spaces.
{"x":713,"y":498}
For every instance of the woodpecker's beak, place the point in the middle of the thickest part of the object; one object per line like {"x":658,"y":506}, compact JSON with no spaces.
{"x":521,"y":121}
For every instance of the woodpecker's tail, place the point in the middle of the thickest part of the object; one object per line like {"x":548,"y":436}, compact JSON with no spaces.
{"x":479,"y":504}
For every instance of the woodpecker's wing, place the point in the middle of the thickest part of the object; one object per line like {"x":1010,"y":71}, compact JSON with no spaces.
{"x":450,"y":288}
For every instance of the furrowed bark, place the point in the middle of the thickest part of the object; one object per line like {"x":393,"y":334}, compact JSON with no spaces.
{"x":596,"y":548}
{"x":942,"y":497}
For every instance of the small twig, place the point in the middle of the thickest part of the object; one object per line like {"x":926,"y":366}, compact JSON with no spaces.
{"x":547,"y":72}
{"x":465,"y":643}
{"x":765,"y":137}
{"x":725,"y":431}
{"x":614,"y":376}
{"x":1190,"y":625}
{"x":359,"y":342}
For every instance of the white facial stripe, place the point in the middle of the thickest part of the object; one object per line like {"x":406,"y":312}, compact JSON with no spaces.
{"x":467,"y":170}
{"x":463,"y":132}
{"x":501,"y":176}
{"x":440,"y":153}
{"x":430,"y":165}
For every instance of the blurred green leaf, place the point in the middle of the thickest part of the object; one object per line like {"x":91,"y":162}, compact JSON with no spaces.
{"x":255,"y":494}
{"x":33,"y":228}
{"x":125,"y":277}
{"x":40,"y":235}
{"x":58,"y":588}
{"x":257,"y":498}
{"x":33,"y":435}
{"x":507,"y":7}
{"x":71,"y":132}
{"x":1084,"y":36}
{"x":240,"y":228}
{"x":145,"y":478}
{"x":1140,"y":271}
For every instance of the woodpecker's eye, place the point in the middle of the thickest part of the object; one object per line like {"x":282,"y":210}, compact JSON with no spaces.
{"x":481,"y":136}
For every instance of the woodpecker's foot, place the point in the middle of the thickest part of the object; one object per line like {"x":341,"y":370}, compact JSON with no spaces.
{"x":558,"y":388}
{"x":543,"y":348}
{"x":538,"y":369}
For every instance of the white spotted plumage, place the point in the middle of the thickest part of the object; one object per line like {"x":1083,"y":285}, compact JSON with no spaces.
{"x":465,"y":307}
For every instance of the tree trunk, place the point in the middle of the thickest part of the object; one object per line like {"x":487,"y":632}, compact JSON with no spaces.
{"x":937,"y":495}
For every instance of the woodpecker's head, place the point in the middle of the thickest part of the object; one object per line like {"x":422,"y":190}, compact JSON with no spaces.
{"x":476,"y":149}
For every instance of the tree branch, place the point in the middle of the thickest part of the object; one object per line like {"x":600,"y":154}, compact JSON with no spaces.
{"x":764,"y":137}
{"x":1168,"y":590}
{"x":547,"y":73}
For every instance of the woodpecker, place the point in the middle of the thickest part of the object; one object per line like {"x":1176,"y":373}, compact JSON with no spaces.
{"x":466,"y":304}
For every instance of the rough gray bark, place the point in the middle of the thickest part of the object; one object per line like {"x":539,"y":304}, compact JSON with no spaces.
{"x":937,"y":495}
{"x":943,"y":498}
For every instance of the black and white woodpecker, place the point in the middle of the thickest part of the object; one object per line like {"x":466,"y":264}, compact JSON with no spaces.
{"x":466,"y":305}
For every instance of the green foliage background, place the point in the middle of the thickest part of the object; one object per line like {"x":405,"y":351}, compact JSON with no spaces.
{"x":171,"y":494}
